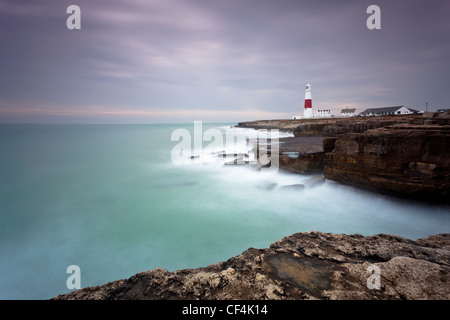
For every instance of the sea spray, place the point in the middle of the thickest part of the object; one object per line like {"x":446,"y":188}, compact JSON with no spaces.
{"x":229,"y":147}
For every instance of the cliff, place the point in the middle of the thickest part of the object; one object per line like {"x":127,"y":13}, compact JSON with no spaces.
{"x":310,"y":265}
{"x":282,"y":124}
{"x":327,"y":127}
{"x":407,"y":156}
{"x":405,"y":160}
{"x":340,"y":127}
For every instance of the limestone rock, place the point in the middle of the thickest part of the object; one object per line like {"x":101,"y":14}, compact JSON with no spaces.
{"x":334,"y":127}
{"x":405,"y":160}
{"x":311,"y":265}
{"x":305,"y":163}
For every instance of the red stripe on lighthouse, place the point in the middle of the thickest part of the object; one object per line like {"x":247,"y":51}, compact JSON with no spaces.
{"x":308,"y":103}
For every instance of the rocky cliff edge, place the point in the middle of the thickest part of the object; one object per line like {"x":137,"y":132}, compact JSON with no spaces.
{"x":301,"y":266}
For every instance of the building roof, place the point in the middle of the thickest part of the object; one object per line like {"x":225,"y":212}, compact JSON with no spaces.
{"x":347,"y":110}
{"x":386,"y":110}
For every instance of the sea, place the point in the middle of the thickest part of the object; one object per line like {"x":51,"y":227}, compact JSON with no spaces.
{"x":118,"y":199}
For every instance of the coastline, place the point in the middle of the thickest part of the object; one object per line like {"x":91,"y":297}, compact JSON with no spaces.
{"x":403,"y":156}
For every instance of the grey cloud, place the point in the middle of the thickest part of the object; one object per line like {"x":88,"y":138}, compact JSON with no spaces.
{"x":177,"y":55}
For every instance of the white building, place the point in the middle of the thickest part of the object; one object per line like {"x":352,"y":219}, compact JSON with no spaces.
{"x":348,"y":112}
{"x":397,"y":110}
{"x":325,"y":113}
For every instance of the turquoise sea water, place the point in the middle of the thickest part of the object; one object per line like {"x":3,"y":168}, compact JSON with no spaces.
{"x":109,"y":199}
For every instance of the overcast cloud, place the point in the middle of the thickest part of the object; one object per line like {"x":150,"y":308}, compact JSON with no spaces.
{"x":217,"y":60}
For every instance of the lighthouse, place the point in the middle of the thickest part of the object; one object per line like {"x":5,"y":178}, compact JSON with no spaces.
{"x":308,"y":103}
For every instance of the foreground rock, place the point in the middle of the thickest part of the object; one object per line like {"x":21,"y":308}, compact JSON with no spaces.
{"x":311,"y":265}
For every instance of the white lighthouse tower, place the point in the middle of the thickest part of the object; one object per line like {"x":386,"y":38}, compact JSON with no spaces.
{"x":308,"y":103}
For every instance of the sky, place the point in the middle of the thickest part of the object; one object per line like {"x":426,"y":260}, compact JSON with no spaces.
{"x":156,"y":61}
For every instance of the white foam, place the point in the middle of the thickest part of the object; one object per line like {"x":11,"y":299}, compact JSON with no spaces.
{"x":237,"y":145}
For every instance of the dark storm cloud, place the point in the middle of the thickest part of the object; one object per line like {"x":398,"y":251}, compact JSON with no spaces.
{"x":194,"y":57}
